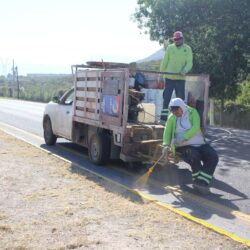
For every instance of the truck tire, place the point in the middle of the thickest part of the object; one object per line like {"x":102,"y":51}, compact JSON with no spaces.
{"x":49,"y":137}
{"x":99,"y":148}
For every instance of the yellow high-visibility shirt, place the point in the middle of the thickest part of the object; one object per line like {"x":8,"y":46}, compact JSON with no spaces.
{"x":177,"y":60}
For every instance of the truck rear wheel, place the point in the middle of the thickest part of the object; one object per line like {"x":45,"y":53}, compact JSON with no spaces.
{"x":48,"y":134}
{"x":99,"y":148}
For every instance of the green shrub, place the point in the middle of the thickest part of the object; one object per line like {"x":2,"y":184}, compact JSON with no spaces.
{"x":231,"y":106}
{"x":244,"y":96}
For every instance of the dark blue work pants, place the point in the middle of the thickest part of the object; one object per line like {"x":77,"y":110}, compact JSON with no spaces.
{"x":203,"y":158}
{"x":170,"y":86}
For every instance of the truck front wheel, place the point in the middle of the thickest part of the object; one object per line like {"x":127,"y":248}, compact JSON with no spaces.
{"x":99,"y":148}
{"x":48,"y":134}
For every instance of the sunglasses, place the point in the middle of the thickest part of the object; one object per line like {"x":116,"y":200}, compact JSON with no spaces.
{"x":178,"y":39}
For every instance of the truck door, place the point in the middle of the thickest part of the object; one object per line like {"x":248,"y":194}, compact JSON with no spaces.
{"x":65,"y":115}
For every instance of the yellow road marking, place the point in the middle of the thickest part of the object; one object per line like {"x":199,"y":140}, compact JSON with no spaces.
{"x":199,"y":221}
{"x":137,"y":192}
{"x":212,"y":204}
{"x":196,"y":198}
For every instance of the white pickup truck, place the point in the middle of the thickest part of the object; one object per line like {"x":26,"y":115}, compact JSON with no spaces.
{"x":101,"y":111}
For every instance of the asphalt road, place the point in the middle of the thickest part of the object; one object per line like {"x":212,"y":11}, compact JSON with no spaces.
{"x":22,"y":114}
{"x":230,"y":187}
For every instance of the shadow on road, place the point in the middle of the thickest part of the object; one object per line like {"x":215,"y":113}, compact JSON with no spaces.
{"x":232,"y":145}
{"x":201,"y":206}
{"x":168,"y":177}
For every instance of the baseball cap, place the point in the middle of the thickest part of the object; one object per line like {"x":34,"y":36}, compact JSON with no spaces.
{"x":177,"y":35}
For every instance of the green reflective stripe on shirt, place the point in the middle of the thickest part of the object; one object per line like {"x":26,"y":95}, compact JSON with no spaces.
{"x":204,"y":179}
{"x":206,"y":175}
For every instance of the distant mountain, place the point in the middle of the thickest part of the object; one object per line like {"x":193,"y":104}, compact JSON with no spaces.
{"x":158,"y":55}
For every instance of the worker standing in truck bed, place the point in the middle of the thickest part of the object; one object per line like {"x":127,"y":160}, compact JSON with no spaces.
{"x":178,"y":59}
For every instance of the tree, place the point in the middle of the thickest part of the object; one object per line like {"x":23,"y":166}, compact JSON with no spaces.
{"x":244,"y":96}
{"x":217,"y":30}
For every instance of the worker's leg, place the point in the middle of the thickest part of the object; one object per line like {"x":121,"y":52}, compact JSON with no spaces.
{"x":210,"y":160}
{"x":191,"y":156}
{"x":179,"y":86}
{"x":167,"y":93}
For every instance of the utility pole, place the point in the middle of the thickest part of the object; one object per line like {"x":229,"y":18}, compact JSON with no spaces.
{"x":17,"y":80}
{"x":13,"y":71}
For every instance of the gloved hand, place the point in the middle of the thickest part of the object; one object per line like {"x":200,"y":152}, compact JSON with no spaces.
{"x":165,"y":151}
{"x":160,"y":79}
{"x":179,"y":139}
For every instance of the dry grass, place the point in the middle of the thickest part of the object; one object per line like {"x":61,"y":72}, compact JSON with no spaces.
{"x":48,"y":204}
{"x":5,"y":228}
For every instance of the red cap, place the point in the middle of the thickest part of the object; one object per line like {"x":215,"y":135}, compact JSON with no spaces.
{"x":177,"y":35}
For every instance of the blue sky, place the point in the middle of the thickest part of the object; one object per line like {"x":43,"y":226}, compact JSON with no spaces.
{"x":47,"y":36}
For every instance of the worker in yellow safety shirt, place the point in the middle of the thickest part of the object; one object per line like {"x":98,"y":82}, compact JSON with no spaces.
{"x":177,"y":61}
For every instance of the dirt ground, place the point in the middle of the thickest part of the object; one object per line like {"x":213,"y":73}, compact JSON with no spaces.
{"x":47,"y":203}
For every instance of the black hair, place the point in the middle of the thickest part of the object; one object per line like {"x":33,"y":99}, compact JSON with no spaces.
{"x":174,"y":108}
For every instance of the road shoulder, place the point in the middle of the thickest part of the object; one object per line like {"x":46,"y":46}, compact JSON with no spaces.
{"x":49,"y":203}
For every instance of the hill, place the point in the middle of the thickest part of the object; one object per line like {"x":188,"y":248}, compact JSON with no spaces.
{"x":158,"y":55}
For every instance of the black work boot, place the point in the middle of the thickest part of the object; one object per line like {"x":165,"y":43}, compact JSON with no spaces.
{"x":201,"y":186}
{"x":164,"y":116}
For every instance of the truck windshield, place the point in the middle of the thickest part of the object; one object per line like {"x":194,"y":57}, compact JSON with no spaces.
{"x":68,"y":100}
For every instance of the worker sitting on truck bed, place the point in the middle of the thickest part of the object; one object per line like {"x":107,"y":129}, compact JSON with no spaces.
{"x":183,"y":134}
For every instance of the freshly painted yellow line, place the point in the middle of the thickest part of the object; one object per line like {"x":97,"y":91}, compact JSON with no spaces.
{"x":145,"y":196}
{"x":167,"y":206}
{"x":199,"y":199}
{"x":212,"y":204}
{"x":192,"y":218}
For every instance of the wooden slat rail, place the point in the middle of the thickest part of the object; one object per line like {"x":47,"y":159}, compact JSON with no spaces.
{"x":85,"y":104}
{"x":88,"y":115}
{"x":88,"y":91}
{"x":88,"y":73}
{"x":88,"y":84}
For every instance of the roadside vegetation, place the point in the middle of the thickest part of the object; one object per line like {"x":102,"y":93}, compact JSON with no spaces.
{"x":35,"y":87}
{"x":218,"y":33}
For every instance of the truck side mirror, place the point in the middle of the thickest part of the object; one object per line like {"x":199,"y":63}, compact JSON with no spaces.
{"x":56,"y":99}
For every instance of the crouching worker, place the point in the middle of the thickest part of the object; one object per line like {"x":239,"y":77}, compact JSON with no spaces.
{"x":182,"y":134}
